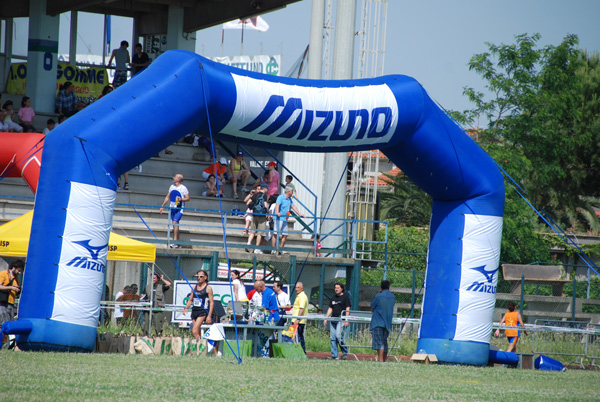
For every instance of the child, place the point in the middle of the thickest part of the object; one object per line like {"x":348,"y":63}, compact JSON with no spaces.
{"x":8,"y":112}
{"x":50,"y":124}
{"x":318,"y":250}
{"x":270,"y":224}
{"x":26,"y":115}
{"x":288,"y":183}
{"x":261,"y":180}
{"x":210,"y":188}
{"x":248,"y":215}
{"x":511,"y":319}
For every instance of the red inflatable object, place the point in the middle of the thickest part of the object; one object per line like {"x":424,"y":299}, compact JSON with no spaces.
{"x":21,"y":156}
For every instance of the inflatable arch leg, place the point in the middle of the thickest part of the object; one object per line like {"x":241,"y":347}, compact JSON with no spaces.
{"x":182,"y":91}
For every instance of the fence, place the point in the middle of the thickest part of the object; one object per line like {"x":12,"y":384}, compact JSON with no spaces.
{"x":359,"y":337}
{"x":535,"y":301}
{"x":592,"y":345}
{"x":558,"y":339}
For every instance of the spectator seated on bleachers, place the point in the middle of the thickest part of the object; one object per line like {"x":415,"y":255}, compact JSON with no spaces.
{"x":220,"y":173}
{"x":8,"y":115}
{"x":26,"y":115}
{"x":210,"y":187}
{"x":66,"y":100}
{"x":50,"y":124}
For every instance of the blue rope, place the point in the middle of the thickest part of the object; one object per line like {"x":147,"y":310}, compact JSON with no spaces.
{"x":549,"y":221}
{"x":323,"y":217}
{"x":156,"y":238}
{"x":537,"y":209}
{"x":212,"y":144}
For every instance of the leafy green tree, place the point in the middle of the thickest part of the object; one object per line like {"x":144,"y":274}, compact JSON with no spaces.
{"x":407,"y":250}
{"x":407,"y":204}
{"x":544,"y":107}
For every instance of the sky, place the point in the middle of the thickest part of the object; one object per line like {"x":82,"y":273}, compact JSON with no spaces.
{"x":430,"y":40}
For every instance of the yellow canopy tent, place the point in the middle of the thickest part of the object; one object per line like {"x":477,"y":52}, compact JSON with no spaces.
{"x":14,"y":241}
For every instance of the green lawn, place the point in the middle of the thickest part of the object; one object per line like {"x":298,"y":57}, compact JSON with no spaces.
{"x":110,"y":377}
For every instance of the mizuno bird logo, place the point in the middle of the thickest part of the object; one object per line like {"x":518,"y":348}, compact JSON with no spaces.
{"x":489,"y":275}
{"x":93,"y":250}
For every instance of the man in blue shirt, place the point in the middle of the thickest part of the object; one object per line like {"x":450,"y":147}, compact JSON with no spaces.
{"x":381,"y":321}
{"x":283,"y":207}
{"x":269,"y":300}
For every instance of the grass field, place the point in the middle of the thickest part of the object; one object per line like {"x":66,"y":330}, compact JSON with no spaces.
{"x":30,"y":376}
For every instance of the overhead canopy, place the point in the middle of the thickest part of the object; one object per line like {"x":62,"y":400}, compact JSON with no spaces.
{"x":14,"y":241}
{"x":152,"y":15}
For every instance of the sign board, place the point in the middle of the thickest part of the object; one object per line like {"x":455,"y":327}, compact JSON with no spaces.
{"x":223,"y":273}
{"x":155,"y":45}
{"x":263,"y":64}
{"x":88,"y":81}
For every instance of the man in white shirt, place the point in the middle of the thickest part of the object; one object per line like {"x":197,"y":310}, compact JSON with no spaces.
{"x":178,"y":195}
{"x":118,"y":312}
{"x":283,"y":301}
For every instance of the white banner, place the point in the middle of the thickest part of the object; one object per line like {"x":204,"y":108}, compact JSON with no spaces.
{"x":259,"y":64}
{"x":479,"y":278}
{"x":83,"y":255}
{"x":255,"y":23}
{"x":304,"y":115}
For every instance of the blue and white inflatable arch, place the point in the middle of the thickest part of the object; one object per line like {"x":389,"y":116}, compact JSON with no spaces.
{"x":74,"y":204}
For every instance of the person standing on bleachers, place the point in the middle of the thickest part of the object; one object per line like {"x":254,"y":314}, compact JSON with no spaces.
{"x":122,"y":59}
{"x":177,"y":196}
{"x":283,"y":209}
{"x":272,"y":179}
{"x":140,"y":60}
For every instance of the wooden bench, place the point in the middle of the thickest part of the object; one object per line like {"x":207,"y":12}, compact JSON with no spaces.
{"x":537,"y":274}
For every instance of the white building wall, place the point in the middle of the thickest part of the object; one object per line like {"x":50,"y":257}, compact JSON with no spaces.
{"x":308,"y":167}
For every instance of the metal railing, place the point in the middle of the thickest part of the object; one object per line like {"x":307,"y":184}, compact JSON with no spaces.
{"x":347,"y":238}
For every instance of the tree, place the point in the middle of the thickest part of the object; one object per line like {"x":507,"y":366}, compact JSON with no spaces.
{"x":407,"y":250}
{"x":544,"y":108}
{"x":407,"y":204}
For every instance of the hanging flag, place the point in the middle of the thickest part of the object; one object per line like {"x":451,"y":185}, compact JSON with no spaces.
{"x":256,"y":23}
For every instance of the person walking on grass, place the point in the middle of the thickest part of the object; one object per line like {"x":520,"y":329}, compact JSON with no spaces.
{"x":338,"y":306}
{"x":300,"y":309}
{"x":178,"y":195}
{"x":511,"y":318}
{"x":382,"y":307}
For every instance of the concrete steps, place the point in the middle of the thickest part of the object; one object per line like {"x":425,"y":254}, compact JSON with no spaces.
{"x":201,"y":224}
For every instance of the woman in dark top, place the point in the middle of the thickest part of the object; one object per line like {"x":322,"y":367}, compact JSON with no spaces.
{"x":202,"y":305}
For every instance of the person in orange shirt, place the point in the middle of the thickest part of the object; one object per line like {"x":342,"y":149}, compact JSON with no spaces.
{"x":511,"y":319}
{"x":221,"y":168}
{"x":9,"y":289}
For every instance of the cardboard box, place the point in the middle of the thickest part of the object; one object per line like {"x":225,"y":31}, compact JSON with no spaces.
{"x":424,"y":358}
